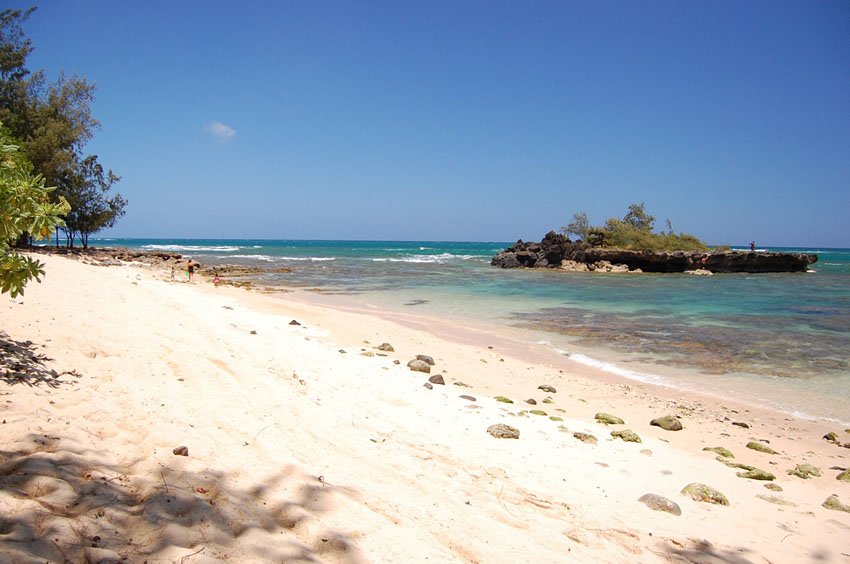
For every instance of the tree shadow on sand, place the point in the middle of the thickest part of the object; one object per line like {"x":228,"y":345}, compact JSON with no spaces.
{"x":21,"y":364}
{"x":73,"y":506}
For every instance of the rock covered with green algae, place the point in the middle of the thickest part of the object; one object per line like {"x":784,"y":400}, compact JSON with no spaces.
{"x":608,"y":419}
{"x":668,"y":423}
{"x":660,"y":503}
{"x":721,"y":451}
{"x":773,"y":487}
{"x":537,"y":412}
{"x":831,"y":437}
{"x":556,"y":418}
{"x":627,"y":435}
{"x":756,"y":474}
{"x":585,"y":438}
{"x":753,"y":445}
{"x":733,"y":464}
{"x":844,"y":476}
{"x":832,"y":502}
{"x":503,"y":399}
{"x":707,"y":494}
{"x":805,"y":471}
{"x":548,"y":389}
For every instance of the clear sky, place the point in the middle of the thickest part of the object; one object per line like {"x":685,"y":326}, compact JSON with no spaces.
{"x":465,"y":120}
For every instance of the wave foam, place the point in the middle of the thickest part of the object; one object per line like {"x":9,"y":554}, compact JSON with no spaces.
{"x":310,"y":259}
{"x":614,"y":369}
{"x":254,"y":257}
{"x":211,"y":248}
{"x":429,"y":259}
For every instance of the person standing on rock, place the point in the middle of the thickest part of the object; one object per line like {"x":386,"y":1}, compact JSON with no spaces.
{"x":752,"y":246}
{"x":190,"y":270}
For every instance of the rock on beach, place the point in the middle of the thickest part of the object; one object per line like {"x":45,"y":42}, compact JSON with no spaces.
{"x":419,"y":366}
{"x":668,"y":423}
{"x":502,"y":431}
{"x":660,"y":503}
{"x":706,"y":494}
{"x":608,"y":419}
{"x":627,"y":435}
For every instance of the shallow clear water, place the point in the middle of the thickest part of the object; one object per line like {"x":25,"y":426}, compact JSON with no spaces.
{"x":778,"y":339}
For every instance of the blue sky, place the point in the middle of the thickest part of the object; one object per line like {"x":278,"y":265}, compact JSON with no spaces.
{"x":462,"y":120}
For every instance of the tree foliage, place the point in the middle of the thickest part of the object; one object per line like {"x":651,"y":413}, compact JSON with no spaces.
{"x":634,"y":231}
{"x":92,"y":208}
{"x":579,"y":226}
{"x":638,"y":218}
{"x":24,"y":206}
{"x":54,"y":122}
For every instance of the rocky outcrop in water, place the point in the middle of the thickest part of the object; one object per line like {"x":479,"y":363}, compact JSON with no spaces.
{"x":557,"y":251}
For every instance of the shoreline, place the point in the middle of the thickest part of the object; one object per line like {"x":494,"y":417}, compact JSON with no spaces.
{"x":609,"y":363}
{"x":589,"y":362}
{"x":223,"y":371}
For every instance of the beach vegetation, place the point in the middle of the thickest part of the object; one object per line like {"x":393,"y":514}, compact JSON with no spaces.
{"x":579,"y":226}
{"x":53,"y":122}
{"x":634,"y":231}
{"x":86,"y":188}
{"x":25,"y":205}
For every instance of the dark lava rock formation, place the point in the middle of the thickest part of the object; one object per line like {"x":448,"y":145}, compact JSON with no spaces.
{"x":557,"y":251}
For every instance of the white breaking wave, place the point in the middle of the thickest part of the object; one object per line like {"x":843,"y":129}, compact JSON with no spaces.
{"x":311,"y":259}
{"x":212,"y":248}
{"x":614,"y":369}
{"x":255,"y":257}
{"x":429,"y":259}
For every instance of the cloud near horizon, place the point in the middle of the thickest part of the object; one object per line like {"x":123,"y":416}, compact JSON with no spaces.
{"x":220,"y":132}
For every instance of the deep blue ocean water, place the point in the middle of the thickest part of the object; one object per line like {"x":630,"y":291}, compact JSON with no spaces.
{"x":776,"y":339}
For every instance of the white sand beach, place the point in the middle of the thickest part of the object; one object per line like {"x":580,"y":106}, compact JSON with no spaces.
{"x":308,"y":444}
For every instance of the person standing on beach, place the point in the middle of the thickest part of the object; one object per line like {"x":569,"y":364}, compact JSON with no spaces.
{"x":217,"y":281}
{"x":190,"y":270}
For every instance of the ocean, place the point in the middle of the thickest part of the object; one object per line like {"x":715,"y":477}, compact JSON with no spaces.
{"x":778,"y":340}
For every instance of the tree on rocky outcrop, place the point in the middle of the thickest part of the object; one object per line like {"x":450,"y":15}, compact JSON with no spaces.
{"x":579,"y":226}
{"x":52,"y":121}
{"x":24,"y":206}
{"x":638,"y":218}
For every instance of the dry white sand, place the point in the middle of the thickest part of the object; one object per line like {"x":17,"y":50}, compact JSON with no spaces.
{"x":298,"y":451}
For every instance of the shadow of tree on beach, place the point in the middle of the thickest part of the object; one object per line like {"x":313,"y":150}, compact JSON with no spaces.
{"x":73,"y":506}
{"x":705,"y":553}
{"x":21,"y":364}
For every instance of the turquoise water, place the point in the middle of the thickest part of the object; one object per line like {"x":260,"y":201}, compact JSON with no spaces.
{"x":777,"y":339}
